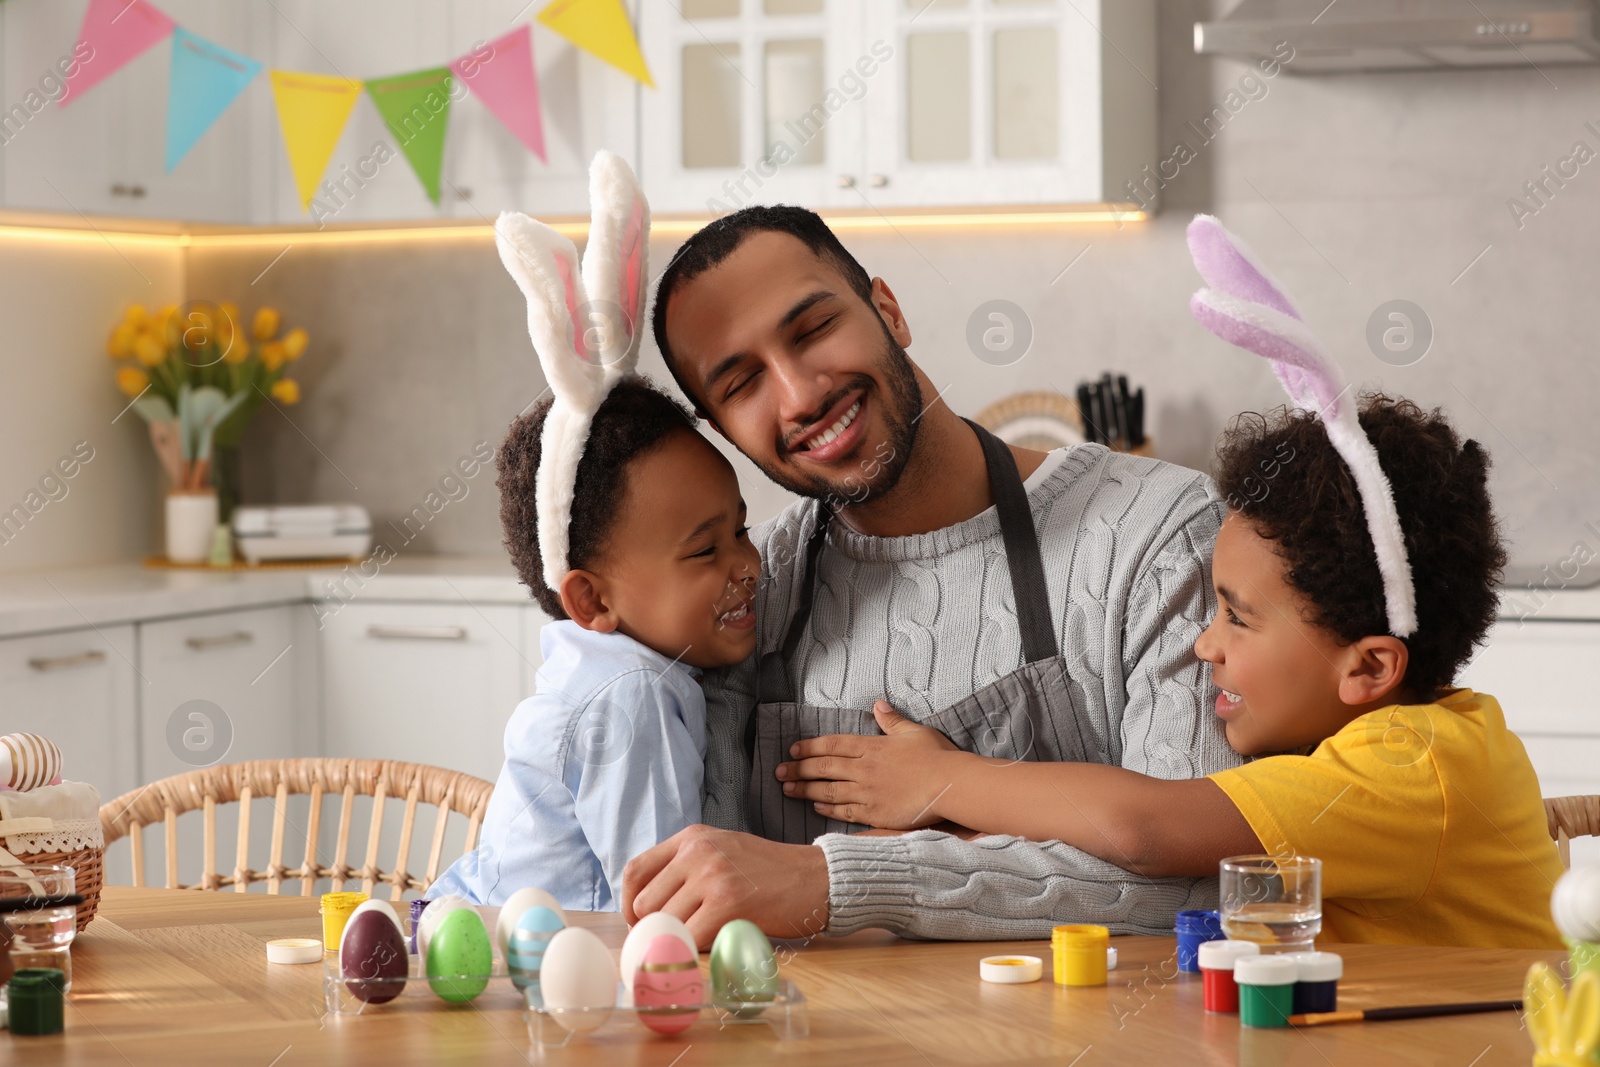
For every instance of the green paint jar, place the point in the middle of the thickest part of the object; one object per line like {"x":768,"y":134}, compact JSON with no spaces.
{"x":1266,"y":989}
{"x":36,"y":996}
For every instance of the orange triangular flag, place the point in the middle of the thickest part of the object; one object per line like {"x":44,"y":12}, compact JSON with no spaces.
{"x":601,"y":28}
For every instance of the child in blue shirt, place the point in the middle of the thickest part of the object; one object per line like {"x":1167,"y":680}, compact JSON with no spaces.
{"x":605,"y":759}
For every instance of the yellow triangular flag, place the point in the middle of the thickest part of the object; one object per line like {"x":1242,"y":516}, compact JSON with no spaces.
{"x":601,"y":28}
{"x":312,"y":110}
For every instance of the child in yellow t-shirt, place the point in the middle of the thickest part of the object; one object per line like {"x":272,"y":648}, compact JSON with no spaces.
{"x":1421,"y":804}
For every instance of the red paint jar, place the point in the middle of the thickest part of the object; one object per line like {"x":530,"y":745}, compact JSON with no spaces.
{"x":1216,"y":959}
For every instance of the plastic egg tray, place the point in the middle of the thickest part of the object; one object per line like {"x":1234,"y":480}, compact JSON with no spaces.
{"x":785,"y":1014}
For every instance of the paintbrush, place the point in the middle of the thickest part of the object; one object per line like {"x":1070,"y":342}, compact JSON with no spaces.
{"x":67,"y":900}
{"x":1414,"y":1011}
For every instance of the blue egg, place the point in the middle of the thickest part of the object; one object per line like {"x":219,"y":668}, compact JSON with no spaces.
{"x":525,"y":951}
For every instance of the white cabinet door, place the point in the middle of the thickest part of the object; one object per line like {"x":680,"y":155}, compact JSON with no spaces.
{"x":77,"y":688}
{"x":426,"y":683}
{"x":105,"y":153}
{"x":1539,"y":673}
{"x":220,"y":689}
{"x":756,"y":102}
{"x":533,"y":621}
{"x":1010,"y":101}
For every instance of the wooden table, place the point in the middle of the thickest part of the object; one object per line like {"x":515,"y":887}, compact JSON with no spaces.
{"x":169,"y":977}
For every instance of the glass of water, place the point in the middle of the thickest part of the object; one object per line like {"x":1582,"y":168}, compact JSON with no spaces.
{"x":1275,"y":901}
{"x":39,"y":937}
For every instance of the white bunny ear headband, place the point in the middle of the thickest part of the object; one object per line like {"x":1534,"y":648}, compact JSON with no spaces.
{"x":1246,"y":308}
{"x":585,"y":325}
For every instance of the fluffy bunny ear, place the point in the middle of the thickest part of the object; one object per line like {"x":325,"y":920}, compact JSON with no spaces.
{"x":545,"y":267}
{"x":1247,"y":309}
{"x":615,"y":263}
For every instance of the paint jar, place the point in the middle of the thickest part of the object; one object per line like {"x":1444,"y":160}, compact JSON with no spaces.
{"x":1195,"y":928}
{"x":335,"y":911}
{"x":1216,"y":959}
{"x":1080,"y":954}
{"x":36,"y":1001}
{"x":1316,"y":988}
{"x":1266,"y":989}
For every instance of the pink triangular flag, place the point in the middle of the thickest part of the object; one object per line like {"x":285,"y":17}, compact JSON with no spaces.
{"x":501,"y":74}
{"x":116,"y":31}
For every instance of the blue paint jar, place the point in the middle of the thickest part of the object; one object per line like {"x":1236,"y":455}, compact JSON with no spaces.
{"x":1316,"y":985}
{"x":1194,"y":928}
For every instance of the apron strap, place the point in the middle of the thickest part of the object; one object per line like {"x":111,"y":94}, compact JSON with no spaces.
{"x":1023,"y":560}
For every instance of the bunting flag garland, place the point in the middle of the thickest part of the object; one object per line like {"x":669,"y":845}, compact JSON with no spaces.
{"x":601,"y":28}
{"x":313,"y":109}
{"x":312,"y":112}
{"x":117,"y":31}
{"x":505,"y":81}
{"x":206,"y":79}
{"x":416,"y":108}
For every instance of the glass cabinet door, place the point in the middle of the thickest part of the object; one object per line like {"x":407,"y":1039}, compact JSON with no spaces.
{"x":1010,"y":101}
{"x":756,"y":102}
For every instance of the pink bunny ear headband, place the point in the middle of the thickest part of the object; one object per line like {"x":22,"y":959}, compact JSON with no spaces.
{"x":585,"y":327}
{"x":1246,"y":308}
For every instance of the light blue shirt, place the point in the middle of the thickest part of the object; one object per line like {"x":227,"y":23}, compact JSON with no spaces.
{"x":602,"y":762}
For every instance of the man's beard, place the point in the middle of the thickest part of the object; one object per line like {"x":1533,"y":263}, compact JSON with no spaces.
{"x":878,"y":473}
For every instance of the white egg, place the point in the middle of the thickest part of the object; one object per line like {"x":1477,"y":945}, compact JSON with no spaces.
{"x":578,"y":973}
{"x":1575,"y":903}
{"x":373,"y":905}
{"x":645,"y":931}
{"x":431,"y":916}
{"x":513,"y":908}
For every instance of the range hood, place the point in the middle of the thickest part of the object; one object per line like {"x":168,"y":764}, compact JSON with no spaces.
{"x":1353,"y":35}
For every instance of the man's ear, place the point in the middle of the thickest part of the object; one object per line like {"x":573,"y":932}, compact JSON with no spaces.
{"x":584,"y":599}
{"x":1373,"y":670}
{"x":888,"y":308}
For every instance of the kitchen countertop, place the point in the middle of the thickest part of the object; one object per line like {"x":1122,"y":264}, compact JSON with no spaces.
{"x":66,"y":599}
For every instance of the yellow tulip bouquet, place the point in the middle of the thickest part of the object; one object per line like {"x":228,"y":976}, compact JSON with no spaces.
{"x":197,"y":378}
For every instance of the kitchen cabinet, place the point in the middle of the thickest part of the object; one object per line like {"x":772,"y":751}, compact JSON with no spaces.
{"x":104,"y":153}
{"x":77,"y":687}
{"x":869,"y":104}
{"x":429,"y":683}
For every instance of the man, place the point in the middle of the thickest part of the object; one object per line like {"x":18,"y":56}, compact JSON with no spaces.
{"x":1028,"y":605}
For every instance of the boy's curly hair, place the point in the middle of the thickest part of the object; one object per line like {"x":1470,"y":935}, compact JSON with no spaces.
{"x":634,"y":418}
{"x":1283,"y":475}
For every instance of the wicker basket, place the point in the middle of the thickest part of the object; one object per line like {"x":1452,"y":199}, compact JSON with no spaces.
{"x":88,"y":865}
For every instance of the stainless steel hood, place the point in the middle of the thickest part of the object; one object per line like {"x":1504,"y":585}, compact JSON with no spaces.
{"x":1352,"y":35}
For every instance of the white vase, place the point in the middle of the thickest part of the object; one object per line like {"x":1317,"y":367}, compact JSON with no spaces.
{"x":190,"y":519}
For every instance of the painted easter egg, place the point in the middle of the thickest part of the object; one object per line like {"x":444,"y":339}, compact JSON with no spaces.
{"x":1575,"y":903}
{"x":643,"y":933}
{"x":578,"y":980}
{"x":525,"y":952}
{"x":28,"y":761}
{"x":515,"y":907}
{"x":372,"y":954}
{"x":743,"y":968}
{"x":459,"y":957}
{"x":666,"y":984}
{"x":433,"y":914}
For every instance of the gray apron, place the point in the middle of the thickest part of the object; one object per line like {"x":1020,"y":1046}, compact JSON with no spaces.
{"x":1025,"y":715}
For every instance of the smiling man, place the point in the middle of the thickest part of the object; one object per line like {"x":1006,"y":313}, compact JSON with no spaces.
{"x":1029,"y":605}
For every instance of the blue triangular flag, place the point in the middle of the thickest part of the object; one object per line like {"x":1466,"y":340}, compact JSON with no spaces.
{"x":206,"y":78}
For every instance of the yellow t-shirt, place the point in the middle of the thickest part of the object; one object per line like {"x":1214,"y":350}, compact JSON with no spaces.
{"x":1428,"y":821}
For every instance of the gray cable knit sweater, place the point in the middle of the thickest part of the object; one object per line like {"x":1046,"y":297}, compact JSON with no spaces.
{"x":926,"y":620}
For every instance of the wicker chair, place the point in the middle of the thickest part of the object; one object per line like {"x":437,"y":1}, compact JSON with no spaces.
{"x":1571,"y":817}
{"x":163,"y":801}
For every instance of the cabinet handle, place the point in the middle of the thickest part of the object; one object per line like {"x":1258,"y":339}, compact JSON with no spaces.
{"x":56,"y":663}
{"x":846,"y":181}
{"x":200,"y":644}
{"x":136,"y":191}
{"x":418,"y":633}
{"x":464,"y":192}
{"x":879,"y":180}
{"x":119,"y":189}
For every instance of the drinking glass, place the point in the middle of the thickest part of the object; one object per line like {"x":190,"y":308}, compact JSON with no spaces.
{"x":40,"y":937}
{"x":1275,"y":901}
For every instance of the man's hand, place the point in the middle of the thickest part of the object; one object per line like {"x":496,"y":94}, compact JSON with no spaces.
{"x":707,"y":876}
{"x":893,"y":781}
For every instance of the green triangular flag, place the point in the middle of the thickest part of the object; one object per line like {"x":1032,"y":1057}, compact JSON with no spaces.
{"x":416,"y":108}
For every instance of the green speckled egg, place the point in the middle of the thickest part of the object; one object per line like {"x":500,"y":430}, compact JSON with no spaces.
{"x":743,"y":968}
{"x":460,"y":958}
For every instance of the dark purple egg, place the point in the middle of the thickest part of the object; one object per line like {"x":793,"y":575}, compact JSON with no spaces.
{"x":373,"y":949}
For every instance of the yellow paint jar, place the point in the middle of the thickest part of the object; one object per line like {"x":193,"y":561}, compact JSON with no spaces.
{"x":1080,"y":954}
{"x":335,"y":910}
